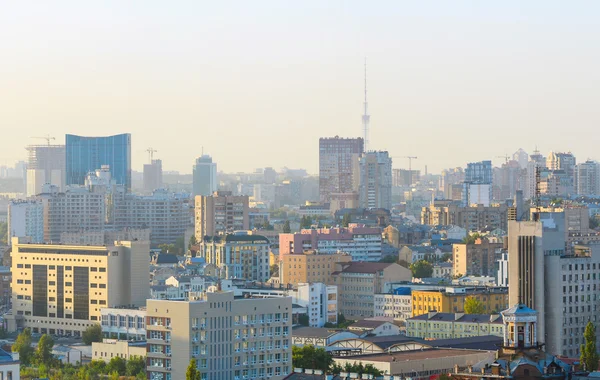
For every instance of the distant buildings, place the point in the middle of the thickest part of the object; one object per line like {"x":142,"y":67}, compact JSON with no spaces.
{"x":477,"y":186}
{"x":434,"y":325}
{"x":338,"y":160}
{"x":375,"y":189}
{"x":472,"y":218}
{"x":153,"y":176}
{"x":46,"y":164}
{"x":26,"y":218}
{"x":205,"y":176}
{"x":566,"y":162}
{"x":86,"y":154}
{"x":588,"y":178}
{"x":220,"y":213}
{"x":476,"y":259}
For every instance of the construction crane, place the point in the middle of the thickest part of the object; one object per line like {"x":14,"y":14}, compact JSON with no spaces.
{"x":410,"y":158}
{"x":48,"y":138}
{"x":506,"y":158}
{"x":151,"y":152}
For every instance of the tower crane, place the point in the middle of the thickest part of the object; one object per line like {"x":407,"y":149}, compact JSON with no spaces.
{"x":506,"y":158}
{"x":151,"y":152}
{"x":48,"y":138}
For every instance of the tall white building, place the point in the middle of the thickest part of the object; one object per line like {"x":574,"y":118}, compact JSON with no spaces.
{"x":26,"y":218}
{"x":321,"y":302}
{"x":375,"y":188}
{"x":205,"y":176}
{"x":588,"y":178}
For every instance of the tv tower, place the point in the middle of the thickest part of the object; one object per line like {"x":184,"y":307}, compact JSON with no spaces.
{"x":366,"y":117}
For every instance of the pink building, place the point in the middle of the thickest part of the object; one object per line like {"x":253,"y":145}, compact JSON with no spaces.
{"x":362,"y":243}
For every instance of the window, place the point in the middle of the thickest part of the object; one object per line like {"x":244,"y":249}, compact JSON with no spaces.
{"x":102,"y":269}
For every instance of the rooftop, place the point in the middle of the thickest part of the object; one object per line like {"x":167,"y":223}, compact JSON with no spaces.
{"x":367,"y":324}
{"x":459,"y":318}
{"x":432,"y":353}
{"x":320,"y":332}
{"x":364,"y":267}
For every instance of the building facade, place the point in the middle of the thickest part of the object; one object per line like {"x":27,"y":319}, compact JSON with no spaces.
{"x":26,"y":218}
{"x":452,"y":300}
{"x":338,"y":160}
{"x":46,"y":164}
{"x":204,"y":176}
{"x":153,"y":176}
{"x":434,"y":325}
{"x":229,"y":337}
{"x":310,"y":266}
{"x":321,"y":302}
{"x":375,"y":189}
{"x":220,"y":213}
{"x":472,"y":218}
{"x":588,"y":178}
{"x":392,"y":305}
{"x":123,"y":324}
{"x":477,"y":259}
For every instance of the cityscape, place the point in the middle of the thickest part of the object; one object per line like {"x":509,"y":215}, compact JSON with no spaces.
{"x":388,"y":262}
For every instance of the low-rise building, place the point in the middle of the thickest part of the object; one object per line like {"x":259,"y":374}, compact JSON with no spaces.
{"x":443,"y":270}
{"x":10,"y":365}
{"x":319,"y":337}
{"x":452,"y":299}
{"x":434,"y":325}
{"x":310,"y":266}
{"x":110,"y":348}
{"x":477,"y":259}
{"x":125,"y":324}
{"x":374,"y":327}
{"x":392,"y":305}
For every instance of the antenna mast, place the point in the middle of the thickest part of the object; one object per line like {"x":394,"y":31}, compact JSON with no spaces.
{"x":366,"y":118}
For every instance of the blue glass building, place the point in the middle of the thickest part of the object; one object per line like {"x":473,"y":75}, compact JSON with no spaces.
{"x":86,"y":154}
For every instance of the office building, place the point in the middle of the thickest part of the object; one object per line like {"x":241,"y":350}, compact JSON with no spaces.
{"x":359,"y":282}
{"x":321,"y":302}
{"x":86,"y":154}
{"x":60,"y":289}
{"x":477,"y":259}
{"x":241,"y":255}
{"x":26,"y":218}
{"x":229,"y":337}
{"x":588,"y":178}
{"x":362,"y":243}
{"x":479,"y":172}
{"x":310,"y":267}
{"x":375,"y":189}
{"x":153,"y":176}
{"x":220,"y":213}
{"x":204,"y":176}
{"x":397,"y":305}
{"x":434,"y":325}
{"x":338,"y":160}
{"x":452,"y":300}
{"x":45,"y":164}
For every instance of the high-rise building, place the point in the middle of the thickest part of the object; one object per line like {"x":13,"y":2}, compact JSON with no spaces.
{"x":26,"y":218}
{"x":46,"y":164}
{"x":472,"y":218}
{"x":230,"y":337}
{"x":205,"y":176}
{"x":221,"y":213}
{"x":241,"y":255}
{"x":375,"y":190}
{"x":477,"y":186}
{"x":565,"y":162}
{"x":404,"y":177}
{"x":338,"y":160}
{"x":153,"y":176}
{"x":536,"y":162}
{"x":477,"y":259}
{"x":479,"y":172}
{"x":588,"y":178}
{"x":60,"y":289}
{"x":86,"y":154}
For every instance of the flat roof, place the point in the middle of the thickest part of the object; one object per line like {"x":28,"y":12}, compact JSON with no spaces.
{"x":400,"y":356}
{"x":320,"y":332}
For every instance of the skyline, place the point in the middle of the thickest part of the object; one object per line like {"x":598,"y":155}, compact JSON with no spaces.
{"x":441,"y":79}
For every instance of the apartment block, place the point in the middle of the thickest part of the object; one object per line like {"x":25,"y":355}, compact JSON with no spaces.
{"x":61,"y":289}
{"x":241,"y":255}
{"x":452,"y":300}
{"x":434,"y":325}
{"x":588,"y":178}
{"x":321,"y":302}
{"x":472,"y":218}
{"x":153,"y":176}
{"x":230,"y":337}
{"x":362,"y":243}
{"x":393,"y":305}
{"x":375,"y":189}
{"x":310,"y":266}
{"x":220,"y":213}
{"x":477,"y":259}
{"x":338,"y":161}
{"x":26,"y":218}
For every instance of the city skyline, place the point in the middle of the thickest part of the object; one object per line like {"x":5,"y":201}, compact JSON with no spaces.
{"x":434,"y":82}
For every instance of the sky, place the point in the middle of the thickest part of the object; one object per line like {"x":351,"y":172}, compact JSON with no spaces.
{"x":256,"y":83}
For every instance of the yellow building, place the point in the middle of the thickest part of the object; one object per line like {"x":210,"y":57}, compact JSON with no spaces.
{"x":310,"y":266}
{"x":435,"y":325}
{"x":60,"y":289}
{"x":452,"y":300}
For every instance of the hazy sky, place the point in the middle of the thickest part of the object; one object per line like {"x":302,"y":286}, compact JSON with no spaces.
{"x":258,"y":82}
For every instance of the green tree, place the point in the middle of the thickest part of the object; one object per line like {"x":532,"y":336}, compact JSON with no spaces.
{"x":446,"y":257}
{"x":114,"y":376}
{"x":117,"y":364}
{"x":470,"y":239}
{"x":23,"y":346}
{"x":43,"y":353}
{"x":92,"y":334}
{"x":589,"y":354}
{"x":286,"y":227}
{"x":474,"y":306}
{"x":311,"y":357}
{"x":421,"y":269}
{"x":274,"y":269}
{"x":192,"y":241}
{"x":3,"y":233}
{"x":192,"y":372}
{"x":135,"y":365}
{"x":180,"y":245}
{"x":346,"y":220}
{"x":167,"y":248}
{"x":305,"y":222}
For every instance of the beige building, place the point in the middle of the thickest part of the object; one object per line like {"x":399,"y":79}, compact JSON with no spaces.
{"x":60,"y":289}
{"x":220,"y":213}
{"x":472,"y":218}
{"x":229,"y":337}
{"x":310,"y":266}
{"x":434,"y":325}
{"x":476,"y":259}
{"x":358,"y":282}
{"x":110,"y":348}
{"x":452,"y":300}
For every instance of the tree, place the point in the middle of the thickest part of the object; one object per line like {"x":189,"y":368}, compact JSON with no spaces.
{"x":117,"y":364}
{"x":3,"y":233}
{"x":311,"y":357}
{"x":43,"y":353}
{"x":421,"y":269}
{"x":192,"y":241}
{"x":286,"y":227}
{"x":474,"y":306}
{"x":305,"y":222}
{"x":346,"y":220}
{"x":167,"y":248}
{"x":92,"y":334}
{"x":470,"y":239}
{"x":135,"y":365}
{"x":589,"y":355}
{"x":446,"y":257}
{"x":192,"y":372}
{"x":23,"y":346}
{"x":274,"y":269}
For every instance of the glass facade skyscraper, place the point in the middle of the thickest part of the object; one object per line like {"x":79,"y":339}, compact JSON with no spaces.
{"x":86,"y":154}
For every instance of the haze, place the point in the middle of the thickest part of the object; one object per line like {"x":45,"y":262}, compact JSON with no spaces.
{"x":257,"y":83}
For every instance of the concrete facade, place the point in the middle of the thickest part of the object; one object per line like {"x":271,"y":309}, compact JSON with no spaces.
{"x":375,"y":190}
{"x":476,"y":259}
{"x":310,"y":266}
{"x":220,"y":213}
{"x":338,"y":161}
{"x":110,"y":348}
{"x":452,"y":300}
{"x":434,"y":325}
{"x":26,"y":218}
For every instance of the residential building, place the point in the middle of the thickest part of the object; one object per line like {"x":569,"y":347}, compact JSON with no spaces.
{"x":26,"y":218}
{"x":310,"y":267}
{"x":434,"y":325}
{"x":443,"y":270}
{"x":124,"y":324}
{"x":312,"y":210}
{"x":555,"y":183}
{"x":374,"y":327}
{"x":358,"y":282}
{"x":403,"y":177}
{"x":110,"y":348}
{"x":5,"y":282}
{"x":322,"y":337}
{"x":566,"y":162}
{"x":338,"y":160}
{"x":242,"y":255}
{"x":205,"y":176}
{"x":375,"y":189}
{"x":537,"y":162}
{"x":477,"y":259}
{"x":452,"y":300}
{"x":472,"y":218}
{"x":60,"y":289}
{"x":229,"y":337}
{"x":339,"y":201}
{"x":153,"y":176}
{"x":220,"y":213}
{"x":10,"y":366}
{"x":502,"y":274}
{"x":588,"y":178}
{"x":321,"y":301}
{"x":477,"y":186}
{"x":86,"y":154}
{"x":479,"y":172}
{"x":393,"y":305}
{"x":362,"y":243}
{"x":45,"y":164}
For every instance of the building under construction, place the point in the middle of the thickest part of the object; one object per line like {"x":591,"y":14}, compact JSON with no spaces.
{"x":46,"y":164}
